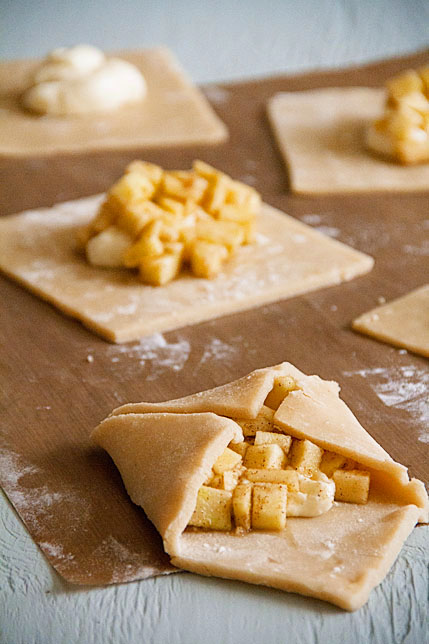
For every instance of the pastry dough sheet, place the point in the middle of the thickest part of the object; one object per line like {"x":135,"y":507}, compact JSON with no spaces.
{"x":404,"y":322}
{"x":174,"y":112}
{"x":288,"y":258}
{"x":320,"y":134}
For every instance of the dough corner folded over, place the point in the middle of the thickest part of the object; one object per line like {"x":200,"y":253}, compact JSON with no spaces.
{"x":164,"y":459}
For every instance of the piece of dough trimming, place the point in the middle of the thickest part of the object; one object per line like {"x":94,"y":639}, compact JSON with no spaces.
{"x":174,"y":112}
{"x":321,"y":135}
{"x":403,"y":322}
{"x":37,"y":248}
{"x":165,"y":451}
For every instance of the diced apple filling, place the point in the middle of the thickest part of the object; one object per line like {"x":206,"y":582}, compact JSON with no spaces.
{"x":265,"y":457}
{"x":269,"y":506}
{"x":258,"y":483}
{"x":351,"y":485}
{"x":160,"y":221}
{"x":213,"y":509}
{"x":228,"y":460}
{"x":403,"y":131}
{"x":305,"y":456}
{"x":282,"y":386}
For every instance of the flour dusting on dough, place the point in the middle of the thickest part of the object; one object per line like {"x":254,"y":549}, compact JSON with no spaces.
{"x":404,"y":387}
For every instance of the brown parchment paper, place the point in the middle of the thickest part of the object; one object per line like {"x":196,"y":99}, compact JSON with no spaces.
{"x":59,"y":380}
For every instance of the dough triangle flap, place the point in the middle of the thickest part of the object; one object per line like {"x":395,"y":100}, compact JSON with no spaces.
{"x":242,"y":398}
{"x":164,"y":459}
{"x":316,"y":412}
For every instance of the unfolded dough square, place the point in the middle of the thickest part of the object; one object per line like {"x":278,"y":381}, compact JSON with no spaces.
{"x":37,"y":249}
{"x":321,"y":135}
{"x":165,"y":452}
{"x":403,"y":322}
{"x":174,"y":112}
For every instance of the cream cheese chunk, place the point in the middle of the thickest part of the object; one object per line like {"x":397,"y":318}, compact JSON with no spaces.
{"x":80,"y":80}
{"x":315,"y":497}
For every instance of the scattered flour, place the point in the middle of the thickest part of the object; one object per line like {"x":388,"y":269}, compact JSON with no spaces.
{"x":406,"y":388}
{"x":128,"y":565}
{"x":155,"y":352}
{"x":217,"y":95}
{"x":312,"y":220}
{"x":330,"y":231}
{"x":36,"y":503}
{"x":250,"y":179}
{"x":218,"y":350}
{"x":55,"y":551}
{"x":423,"y":249}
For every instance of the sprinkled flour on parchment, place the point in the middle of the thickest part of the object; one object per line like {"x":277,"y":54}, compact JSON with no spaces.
{"x":154,"y":352}
{"x":159,"y":356}
{"x":406,"y":388}
{"x":216,"y":349}
{"x":217,"y":95}
{"x":129,"y":565}
{"x":36,"y":502}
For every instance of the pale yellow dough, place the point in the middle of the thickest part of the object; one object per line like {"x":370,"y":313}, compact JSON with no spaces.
{"x":174,"y":112}
{"x":403,"y":322}
{"x":165,"y":451}
{"x":321,"y":135}
{"x":37,"y":248}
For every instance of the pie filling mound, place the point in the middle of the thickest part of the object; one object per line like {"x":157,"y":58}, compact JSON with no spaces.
{"x":402,"y":133}
{"x":159,"y":222}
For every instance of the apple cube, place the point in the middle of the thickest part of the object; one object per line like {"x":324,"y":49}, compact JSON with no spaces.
{"x":263,"y":438}
{"x":269,"y":456}
{"x":152,"y":171}
{"x":242,"y":505}
{"x":263,"y":422}
{"x":158,"y":270}
{"x":331,"y":462}
{"x":281,"y":387}
{"x":213,"y":509}
{"x":269,"y":506}
{"x":206,"y":258}
{"x":290,"y":478}
{"x":352,"y":486}
{"x":305,"y":456}
{"x":240,"y":448}
{"x":226,"y":233}
{"x":228,"y":460}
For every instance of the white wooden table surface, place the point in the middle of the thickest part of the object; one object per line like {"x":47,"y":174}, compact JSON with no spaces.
{"x":215,"y":41}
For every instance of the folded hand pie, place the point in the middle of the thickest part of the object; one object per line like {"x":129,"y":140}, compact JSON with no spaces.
{"x":240,"y":482}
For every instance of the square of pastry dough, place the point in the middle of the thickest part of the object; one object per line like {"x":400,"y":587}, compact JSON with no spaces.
{"x":174,"y":112}
{"x":38,"y":249}
{"x":321,"y":135}
{"x":404,"y":322}
{"x":338,"y":552}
